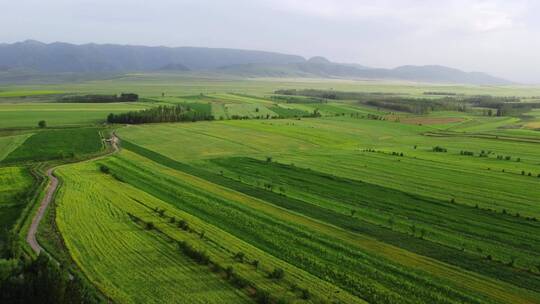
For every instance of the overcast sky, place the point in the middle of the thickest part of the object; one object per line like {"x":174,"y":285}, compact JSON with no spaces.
{"x":494,"y":36}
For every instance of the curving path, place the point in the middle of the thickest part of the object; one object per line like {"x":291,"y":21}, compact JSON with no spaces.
{"x":45,"y":202}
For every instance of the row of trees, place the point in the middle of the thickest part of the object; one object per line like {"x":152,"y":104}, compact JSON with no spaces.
{"x":495,"y":106}
{"x":178,"y":113}
{"x":100,"y":98}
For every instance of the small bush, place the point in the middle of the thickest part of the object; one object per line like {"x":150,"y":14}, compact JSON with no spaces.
{"x":229,"y":271}
{"x":305,"y":294}
{"x":263,"y":297}
{"x":255,"y":263}
{"x":277,"y":274}
{"x":439,"y":149}
{"x":104,"y":169}
{"x":182,"y":224}
{"x":150,"y":226}
{"x":239,"y":257}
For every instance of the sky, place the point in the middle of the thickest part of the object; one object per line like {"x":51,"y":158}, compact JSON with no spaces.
{"x":494,"y":36}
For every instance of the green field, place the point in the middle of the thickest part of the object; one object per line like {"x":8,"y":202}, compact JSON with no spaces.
{"x":10,"y":143}
{"x":281,"y":200}
{"x":57,"y":144}
{"x":105,"y":243}
{"x":29,"y":93}
{"x":154,"y":84}
{"x":15,"y":183}
{"x":59,"y":114}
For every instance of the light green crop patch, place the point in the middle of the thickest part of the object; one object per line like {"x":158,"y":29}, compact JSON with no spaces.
{"x":10,"y":143}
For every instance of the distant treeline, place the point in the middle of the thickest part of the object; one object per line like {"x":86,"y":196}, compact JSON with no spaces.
{"x":331,"y":94}
{"x":297,"y":99}
{"x":177,"y":113}
{"x":503,"y":106}
{"x":417,"y":105}
{"x":441,"y":93}
{"x":99,"y":98}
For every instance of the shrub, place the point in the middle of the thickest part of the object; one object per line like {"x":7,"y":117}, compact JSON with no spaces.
{"x":199,"y":256}
{"x":263,"y":297}
{"x":150,"y":226}
{"x":42,"y":124}
{"x":182,"y":224}
{"x":255,"y":263}
{"x":306,"y":295}
{"x":439,"y":149}
{"x":277,"y":274}
{"x":239,"y":282}
{"x":229,"y":271}
{"x":104,"y":169}
{"x":239,"y":257}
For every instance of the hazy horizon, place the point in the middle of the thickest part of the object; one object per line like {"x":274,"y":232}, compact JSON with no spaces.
{"x":496,"y":37}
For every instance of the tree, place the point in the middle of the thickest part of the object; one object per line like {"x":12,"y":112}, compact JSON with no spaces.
{"x":42,"y":124}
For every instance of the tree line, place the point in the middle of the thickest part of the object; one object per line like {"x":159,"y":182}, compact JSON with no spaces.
{"x":177,"y":113}
{"x":496,"y":105}
{"x":100,"y":98}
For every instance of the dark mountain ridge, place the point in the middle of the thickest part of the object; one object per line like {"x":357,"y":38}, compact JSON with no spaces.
{"x":59,"y":57}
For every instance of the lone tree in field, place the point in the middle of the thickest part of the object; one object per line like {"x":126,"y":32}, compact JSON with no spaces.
{"x":42,"y":124}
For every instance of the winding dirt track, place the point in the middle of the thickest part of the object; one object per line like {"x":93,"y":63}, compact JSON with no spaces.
{"x":45,"y":202}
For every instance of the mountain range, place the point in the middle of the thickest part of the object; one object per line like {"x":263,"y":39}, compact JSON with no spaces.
{"x":92,"y":58}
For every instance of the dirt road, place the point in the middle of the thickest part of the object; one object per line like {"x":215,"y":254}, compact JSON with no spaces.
{"x":45,"y":202}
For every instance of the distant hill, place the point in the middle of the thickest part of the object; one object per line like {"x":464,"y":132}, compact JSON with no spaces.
{"x":37,"y":57}
{"x":64,"y":57}
{"x":327,"y":69}
{"x":174,"y":67}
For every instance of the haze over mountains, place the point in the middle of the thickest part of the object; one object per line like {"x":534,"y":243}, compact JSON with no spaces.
{"x":109,"y":58}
